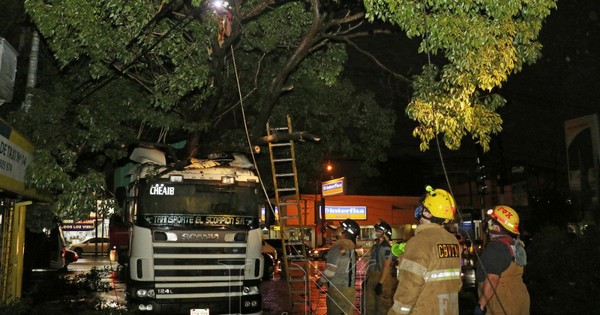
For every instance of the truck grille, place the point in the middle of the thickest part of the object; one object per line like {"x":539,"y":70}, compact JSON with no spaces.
{"x":200,"y":270}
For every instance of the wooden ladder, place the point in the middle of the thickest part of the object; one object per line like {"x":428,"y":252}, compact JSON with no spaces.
{"x":291,"y":223}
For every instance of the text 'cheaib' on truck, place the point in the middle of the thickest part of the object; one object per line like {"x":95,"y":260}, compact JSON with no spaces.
{"x":195,"y":242}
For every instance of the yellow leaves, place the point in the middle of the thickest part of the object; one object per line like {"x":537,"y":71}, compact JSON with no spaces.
{"x":483,"y":41}
{"x":454,"y":113}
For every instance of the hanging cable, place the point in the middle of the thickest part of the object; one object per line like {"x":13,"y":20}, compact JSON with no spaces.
{"x":427,"y":49}
{"x":250,"y":146}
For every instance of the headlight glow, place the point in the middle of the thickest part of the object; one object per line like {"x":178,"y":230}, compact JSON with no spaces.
{"x":250,"y":290}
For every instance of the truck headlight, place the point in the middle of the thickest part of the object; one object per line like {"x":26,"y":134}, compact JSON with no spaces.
{"x":143,"y":307}
{"x":250,"y":290}
{"x":227,"y":180}
{"x":145,"y":293}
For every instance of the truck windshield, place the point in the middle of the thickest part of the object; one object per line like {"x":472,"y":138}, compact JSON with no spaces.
{"x":197,"y":199}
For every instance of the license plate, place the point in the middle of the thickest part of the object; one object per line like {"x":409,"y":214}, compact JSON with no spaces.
{"x":200,"y":311}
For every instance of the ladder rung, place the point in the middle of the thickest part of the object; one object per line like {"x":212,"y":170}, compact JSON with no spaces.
{"x":282,"y":160}
{"x":283,"y":144}
{"x":290,"y":217}
{"x":297,"y":280}
{"x":286,"y":189}
{"x":296,"y":268}
{"x":278,"y":128}
{"x":284,"y":175}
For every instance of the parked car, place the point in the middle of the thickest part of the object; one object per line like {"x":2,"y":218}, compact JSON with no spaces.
{"x":362,"y":251}
{"x":44,"y":251}
{"x":70,"y":257}
{"x":91,"y":246}
{"x":293,"y":251}
{"x":320,"y":253}
{"x":468,"y":262}
{"x":467,"y":272}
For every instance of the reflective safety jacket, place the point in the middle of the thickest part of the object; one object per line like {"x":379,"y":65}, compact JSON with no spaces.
{"x":429,"y":274}
{"x":340,"y":268}
{"x":511,"y":295}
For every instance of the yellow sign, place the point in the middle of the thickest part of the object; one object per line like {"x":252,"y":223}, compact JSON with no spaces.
{"x":16,"y":153}
{"x":334,"y":187}
{"x":345,"y":212}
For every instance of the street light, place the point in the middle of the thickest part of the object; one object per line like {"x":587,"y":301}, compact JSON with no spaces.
{"x":328,"y":168}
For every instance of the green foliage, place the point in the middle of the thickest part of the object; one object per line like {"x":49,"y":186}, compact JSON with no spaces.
{"x":482,"y":43}
{"x":92,"y":281}
{"x":155,"y":72}
{"x":562,"y":273}
{"x":158,"y":71}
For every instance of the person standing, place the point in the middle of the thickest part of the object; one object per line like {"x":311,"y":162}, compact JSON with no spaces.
{"x":379,"y":283}
{"x":500,"y":274}
{"x":340,"y":271}
{"x":429,"y":273}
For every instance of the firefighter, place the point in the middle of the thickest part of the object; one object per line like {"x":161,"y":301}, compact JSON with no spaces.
{"x":500,"y":273}
{"x":429,"y":273}
{"x":379,"y":283}
{"x":340,"y":271}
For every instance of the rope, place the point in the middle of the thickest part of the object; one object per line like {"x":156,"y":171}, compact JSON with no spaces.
{"x":425,"y":38}
{"x":250,"y":146}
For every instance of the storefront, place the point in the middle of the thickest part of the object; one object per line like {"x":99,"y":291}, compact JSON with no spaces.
{"x":16,"y":153}
{"x":320,"y":223}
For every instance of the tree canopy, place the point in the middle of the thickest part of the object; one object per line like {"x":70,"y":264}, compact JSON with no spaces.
{"x":169,"y":71}
{"x":480,"y":44}
{"x":165,"y":71}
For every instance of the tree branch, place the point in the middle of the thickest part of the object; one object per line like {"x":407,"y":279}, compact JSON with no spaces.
{"x":302,"y":50}
{"x":377,"y":62}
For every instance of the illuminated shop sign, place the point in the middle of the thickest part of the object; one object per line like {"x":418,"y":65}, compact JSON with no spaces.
{"x":345,"y":212}
{"x":71,"y":225}
{"x":334,"y":187}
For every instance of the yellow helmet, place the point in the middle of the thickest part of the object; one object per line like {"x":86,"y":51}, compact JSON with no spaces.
{"x":507,"y":217}
{"x":440,"y":203}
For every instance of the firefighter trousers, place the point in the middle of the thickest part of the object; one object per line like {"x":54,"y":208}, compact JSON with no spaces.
{"x":373,"y":304}
{"x":341,"y":300}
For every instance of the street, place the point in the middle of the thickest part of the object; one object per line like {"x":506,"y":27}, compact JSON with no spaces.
{"x":275,"y":301}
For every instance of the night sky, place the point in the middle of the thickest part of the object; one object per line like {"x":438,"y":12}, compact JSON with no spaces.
{"x":563,"y":84}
